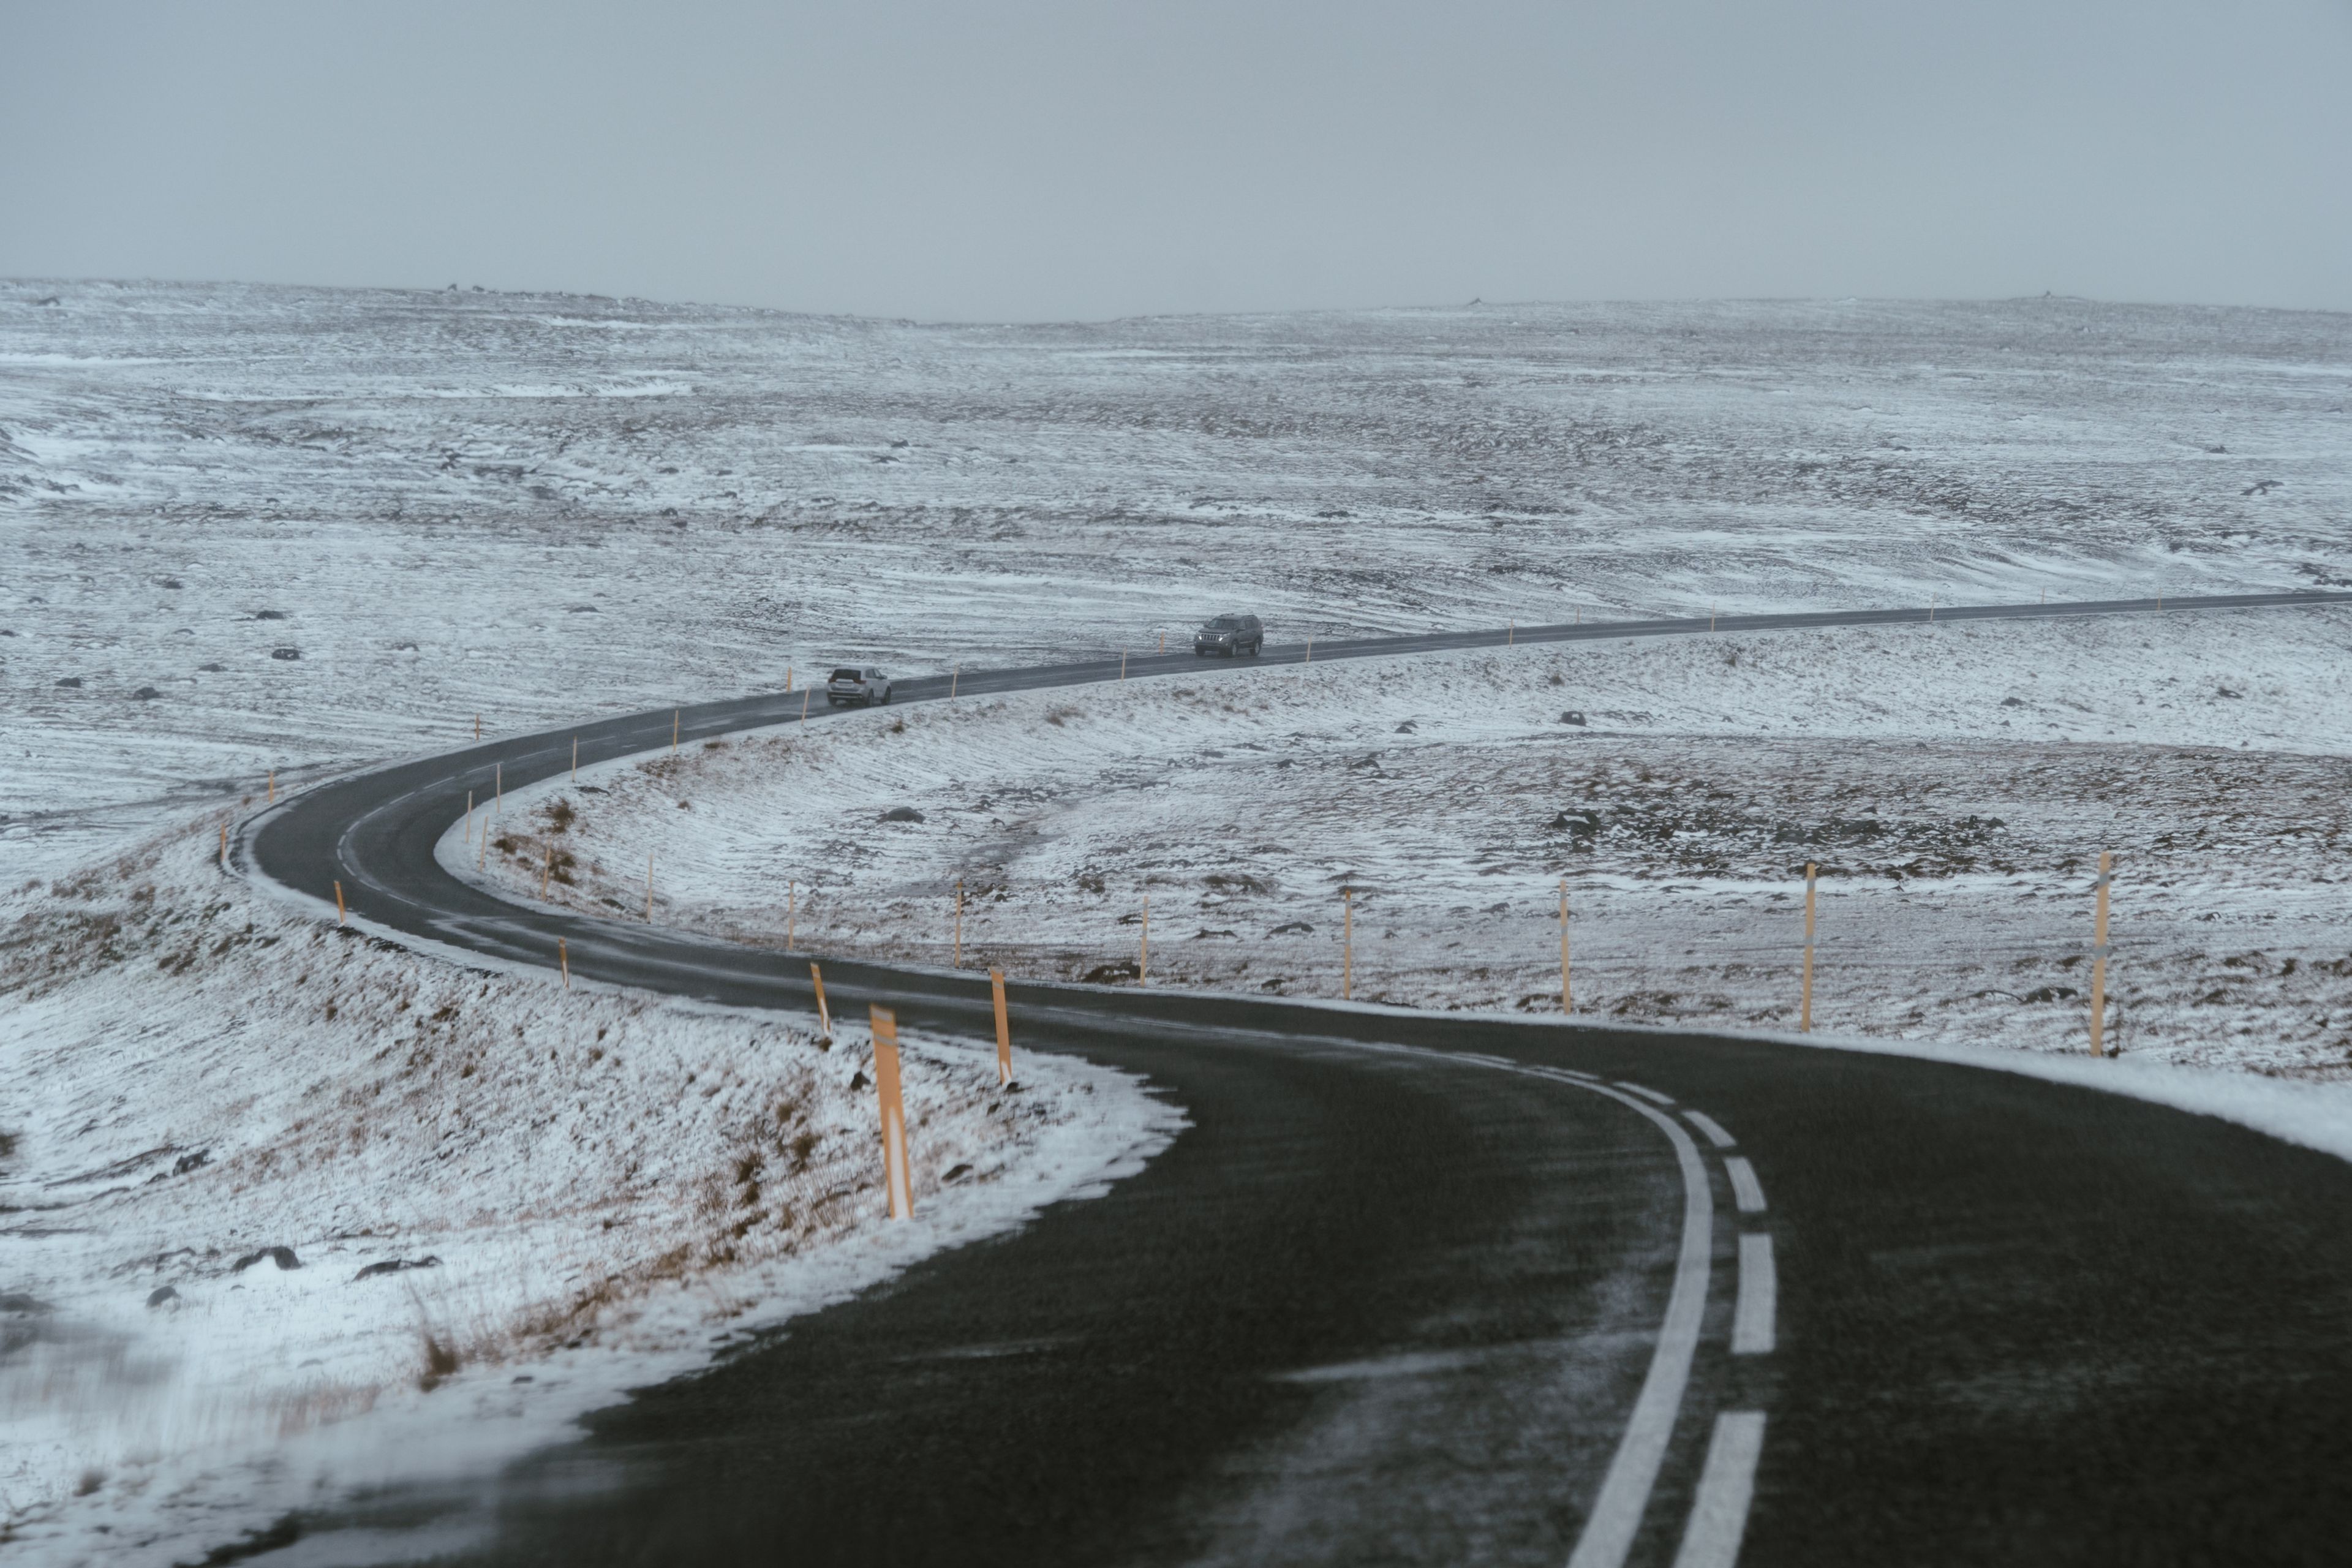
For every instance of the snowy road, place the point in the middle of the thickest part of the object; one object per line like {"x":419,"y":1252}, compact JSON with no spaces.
{"x":1421,"y":1288}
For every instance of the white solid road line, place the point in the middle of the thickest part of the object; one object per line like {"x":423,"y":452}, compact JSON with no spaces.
{"x":1746,"y":1190}
{"x":1649,"y":1094}
{"x":1712,"y":1127}
{"x":1625,"y":1496}
{"x":1718,"y":1517}
{"x":1752,"y":1314}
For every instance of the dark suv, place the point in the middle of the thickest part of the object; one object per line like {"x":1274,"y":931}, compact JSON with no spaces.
{"x":1230,"y":634}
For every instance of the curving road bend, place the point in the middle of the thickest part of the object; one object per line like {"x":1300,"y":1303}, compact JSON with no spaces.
{"x":1433,"y":1288}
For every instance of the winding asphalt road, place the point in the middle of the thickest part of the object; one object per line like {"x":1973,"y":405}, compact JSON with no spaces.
{"x":1431,"y":1289}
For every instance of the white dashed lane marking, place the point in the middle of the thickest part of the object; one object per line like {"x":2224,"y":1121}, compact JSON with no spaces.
{"x":1711,"y":1127}
{"x":1752,"y":1312}
{"x":1718,"y":1516}
{"x":1746,"y":1190}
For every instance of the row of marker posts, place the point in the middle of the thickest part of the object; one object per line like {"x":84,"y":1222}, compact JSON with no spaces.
{"x":2100,"y":950}
{"x":884,"y":1021}
{"x":898,"y":1172}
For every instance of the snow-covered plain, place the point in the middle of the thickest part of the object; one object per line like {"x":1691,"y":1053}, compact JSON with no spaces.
{"x":600,"y":1186}
{"x":1955,"y":784}
{"x":532,"y":507}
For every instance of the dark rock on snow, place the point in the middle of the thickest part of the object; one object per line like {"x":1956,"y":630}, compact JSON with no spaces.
{"x":156,"y":1298}
{"x":395,"y":1265}
{"x":281,"y":1256}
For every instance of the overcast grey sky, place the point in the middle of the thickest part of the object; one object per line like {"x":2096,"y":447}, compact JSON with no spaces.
{"x":1049,"y":159}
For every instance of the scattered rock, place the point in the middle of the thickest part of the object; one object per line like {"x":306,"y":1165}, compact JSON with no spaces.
{"x":1406,"y":728}
{"x":19,"y":1301}
{"x":145,"y":694}
{"x":71,"y":682}
{"x":187,"y":1162}
{"x":1299,"y":927}
{"x":281,"y":1256}
{"x":1112,"y":973}
{"x":902,"y":814}
{"x":395,"y":1265}
{"x":1573,"y":716}
{"x":47,"y":299}
{"x":2012,"y":701}
{"x":285,"y":653}
{"x":157,"y":1297}
{"x":173,"y":583}
{"x":209,"y":668}
{"x":856,"y":1080}
{"x":955,"y":1172}
{"x":268,"y":614}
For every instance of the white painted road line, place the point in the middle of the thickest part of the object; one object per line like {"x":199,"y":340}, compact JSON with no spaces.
{"x":1624,"y":1495}
{"x":1760,"y":1289}
{"x":1712,"y":1127}
{"x":1726,"y":1485}
{"x":1648,"y":1094}
{"x":1746,"y":1190}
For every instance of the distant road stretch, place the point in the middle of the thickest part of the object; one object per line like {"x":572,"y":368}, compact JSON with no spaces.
{"x":1441,"y":1289}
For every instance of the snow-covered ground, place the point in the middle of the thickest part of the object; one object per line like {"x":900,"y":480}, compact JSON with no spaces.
{"x":254,"y":528}
{"x":598,"y":1186}
{"x":532,"y":507}
{"x":1955,"y":784}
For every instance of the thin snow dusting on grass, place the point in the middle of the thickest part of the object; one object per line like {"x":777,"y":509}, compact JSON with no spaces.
{"x":1955,"y":785}
{"x":287,"y":1207}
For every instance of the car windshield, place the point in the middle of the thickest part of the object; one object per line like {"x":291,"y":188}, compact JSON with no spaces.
{"x":845,"y":675}
{"x":1223,"y":624}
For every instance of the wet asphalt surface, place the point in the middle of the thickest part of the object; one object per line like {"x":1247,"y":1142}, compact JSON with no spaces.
{"x":1377,"y":1306}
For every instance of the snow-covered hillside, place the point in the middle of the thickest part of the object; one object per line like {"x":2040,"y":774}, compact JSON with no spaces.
{"x":290,"y":1207}
{"x":322,"y":526}
{"x":1955,"y":783}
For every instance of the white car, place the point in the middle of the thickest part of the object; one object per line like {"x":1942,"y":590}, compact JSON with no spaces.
{"x":864,"y":687}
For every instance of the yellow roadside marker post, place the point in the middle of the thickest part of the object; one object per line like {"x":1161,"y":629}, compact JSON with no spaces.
{"x":1805,"y":1007}
{"x":338,"y":903}
{"x":1346,"y":944}
{"x":564,"y":957}
{"x":2099,"y":957}
{"x":1004,"y":1028}
{"x":1566,"y":1005}
{"x":895,"y":1171}
{"x":823,"y":1014}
